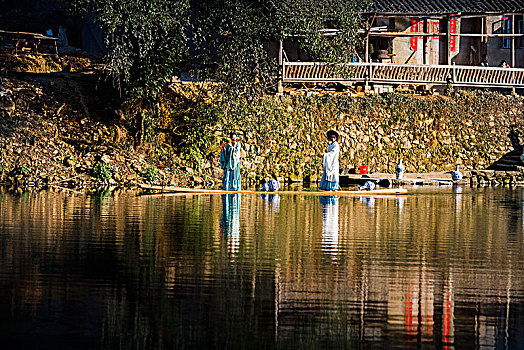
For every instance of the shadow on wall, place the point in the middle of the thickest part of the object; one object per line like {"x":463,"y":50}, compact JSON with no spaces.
{"x":514,"y":137}
{"x":511,"y":161}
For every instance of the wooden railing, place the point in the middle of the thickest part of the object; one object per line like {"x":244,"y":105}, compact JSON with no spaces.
{"x":318,"y":72}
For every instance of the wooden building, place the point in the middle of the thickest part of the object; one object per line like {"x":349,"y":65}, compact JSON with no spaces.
{"x":432,"y":42}
{"x":445,"y":32}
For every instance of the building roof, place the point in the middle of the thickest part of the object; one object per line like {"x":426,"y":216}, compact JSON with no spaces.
{"x":446,"y":6}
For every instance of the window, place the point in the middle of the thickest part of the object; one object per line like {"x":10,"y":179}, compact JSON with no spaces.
{"x":506,"y":29}
{"x":520,"y":41}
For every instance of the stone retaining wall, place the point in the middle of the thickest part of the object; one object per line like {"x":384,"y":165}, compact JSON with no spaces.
{"x":284,"y":136}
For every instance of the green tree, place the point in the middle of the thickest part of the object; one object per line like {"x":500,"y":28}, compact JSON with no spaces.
{"x":149,"y":41}
{"x":326,"y":29}
{"x":232,"y":34}
{"x":146,"y":40}
{"x":229,"y":36}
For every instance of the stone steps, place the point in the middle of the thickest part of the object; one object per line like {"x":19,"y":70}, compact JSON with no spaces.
{"x":512,"y":162}
{"x":509,"y":162}
{"x":504,"y":167}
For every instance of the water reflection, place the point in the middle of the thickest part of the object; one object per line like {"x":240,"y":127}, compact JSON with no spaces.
{"x":230,"y":222}
{"x":369,"y":201}
{"x":272,"y":201}
{"x":156,"y":271}
{"x":330,"y":225}
{"x":457,"y":191}
{"x":448,"y":314}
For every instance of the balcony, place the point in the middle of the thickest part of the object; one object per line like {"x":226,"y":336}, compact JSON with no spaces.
{"x":398,"y":74}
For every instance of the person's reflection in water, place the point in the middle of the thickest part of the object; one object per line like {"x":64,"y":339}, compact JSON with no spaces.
{"x":273,"y":201}
{"x":368,"y":201}
{"x":400,"y":204}
{"x":330,"y":225}
{"x":230,"y":223}
{"x":457,"y":190}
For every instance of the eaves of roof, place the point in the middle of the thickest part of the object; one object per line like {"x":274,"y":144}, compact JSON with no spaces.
{"x":445,"y":6}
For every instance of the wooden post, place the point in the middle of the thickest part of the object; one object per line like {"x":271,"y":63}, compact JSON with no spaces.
{"x":369,"y":24}
{"x":448,"y":35}
{"x":367,"y":77}
{"x":484,"y":40}
{"x":366,"y":54}
{"x":513,"y":62}
{"x":425,"y":43}
{"x":366,"y":59}
{"x":481,"y":30}
{"x":280,"y":88}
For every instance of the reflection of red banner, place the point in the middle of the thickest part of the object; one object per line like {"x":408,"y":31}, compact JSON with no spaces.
{"x":413,"y":43}
{"x":409,"y":326}
{"x":452,"y":30}
{"x":447,"y":319}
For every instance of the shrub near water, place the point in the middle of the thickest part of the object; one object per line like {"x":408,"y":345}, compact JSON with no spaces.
{"x":284,"y":135}
{"x":23,"y":170}
{"x":102,"y":171}
{"x":151,"y":174}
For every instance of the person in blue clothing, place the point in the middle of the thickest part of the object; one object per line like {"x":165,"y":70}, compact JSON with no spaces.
{"x":330,"y":177}
{"x":230,"y":162}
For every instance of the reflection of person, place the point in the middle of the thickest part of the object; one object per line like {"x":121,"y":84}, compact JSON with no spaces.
{"x":484,"y":62}
{"x":458,"y":195}
{"x":273,"y":200}
{"x":368,"y":201}
{"x":330,"y":177}
{"x":329,"y":225}
{"x":62,"y":36}
{"x":230,"y":162}
{"x":400,"y":204}
{"x":230,"y":223}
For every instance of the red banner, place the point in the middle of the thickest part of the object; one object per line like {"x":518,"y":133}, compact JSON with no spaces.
{"x":436,"y":29}
{"x":452,"y":30}
{"x":413,"y":44}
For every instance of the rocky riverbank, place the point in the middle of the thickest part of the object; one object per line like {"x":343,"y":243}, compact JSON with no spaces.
{"x":283,"y":136}
{"x":65,"y":130}
{"x":473,"y":178}
{"x":55,"y":132}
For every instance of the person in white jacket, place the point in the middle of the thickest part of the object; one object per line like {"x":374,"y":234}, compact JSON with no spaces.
{"x":330,"y":177}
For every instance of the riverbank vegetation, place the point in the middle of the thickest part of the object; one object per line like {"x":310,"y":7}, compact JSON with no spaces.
{"x":224,"y":42}
{"x":59,"y":131}
{"x":135,"y":121}
{"x":283,"y":135}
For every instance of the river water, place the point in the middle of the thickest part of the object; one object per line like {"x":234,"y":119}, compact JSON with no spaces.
{"x":440,"y":268}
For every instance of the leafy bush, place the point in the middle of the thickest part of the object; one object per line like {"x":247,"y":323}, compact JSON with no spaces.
{"x":102,"y":171}
{"x":22,"y":170}
{"x":149,"y":41}
{"x":151,"y":174}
